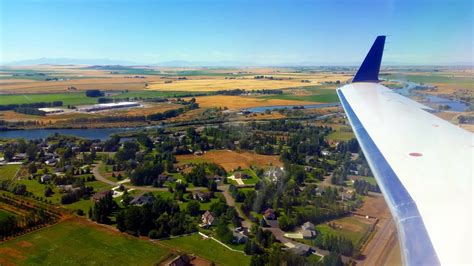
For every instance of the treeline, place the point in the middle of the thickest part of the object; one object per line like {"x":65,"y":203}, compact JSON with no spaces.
{"x":159,"y":219}
{"x":337,"y":244}
{"x":6,"y":107}
{"x":30,"y":111}
{"x":363,"y":187}
{"x":242,"y":91}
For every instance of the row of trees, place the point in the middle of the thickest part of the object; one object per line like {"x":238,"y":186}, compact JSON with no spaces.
{"x":5,"y":107}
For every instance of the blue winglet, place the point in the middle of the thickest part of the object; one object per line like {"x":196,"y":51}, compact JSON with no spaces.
{"x":369,"y":70}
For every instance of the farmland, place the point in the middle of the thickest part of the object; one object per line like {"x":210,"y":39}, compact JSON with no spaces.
{"x":77,"y":241}
{"x":79,"y":98}
{"x":239,"y":102}
{"x":231,"y":159}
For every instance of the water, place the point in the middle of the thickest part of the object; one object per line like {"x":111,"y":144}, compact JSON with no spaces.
{"x":411,"y":87}
{"x":262,"y":109}
{"x":454,"y":105}
{"x":89,"y":133}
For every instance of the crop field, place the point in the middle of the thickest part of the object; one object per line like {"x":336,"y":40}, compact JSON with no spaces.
{"x":79,"y":242}
{"x":8,"y":171}
{"x":352,"y":228}
{"x":231,"y":160}
{"x":310,"y":94}
{"x":205,"y":85}
{"x":208,"y":249}
{"x":240,"y":102}
{"x":79,"y":98}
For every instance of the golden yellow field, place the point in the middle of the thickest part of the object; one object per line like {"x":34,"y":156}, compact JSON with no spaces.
{"x":240,"y":102}
{"x":230,"y":160}
{"x":215,"y":84}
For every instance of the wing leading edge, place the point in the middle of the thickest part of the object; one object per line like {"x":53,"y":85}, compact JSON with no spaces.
{"x":422,"y":164}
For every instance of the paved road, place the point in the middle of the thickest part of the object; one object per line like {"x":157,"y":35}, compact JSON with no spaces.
{"x":231,"y":202}
{"x":100,"y":177}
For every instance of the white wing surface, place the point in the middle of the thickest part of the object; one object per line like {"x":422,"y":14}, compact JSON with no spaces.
{"x":422,"y":164}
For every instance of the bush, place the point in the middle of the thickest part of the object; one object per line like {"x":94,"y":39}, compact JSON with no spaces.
{"x":153,"y":234}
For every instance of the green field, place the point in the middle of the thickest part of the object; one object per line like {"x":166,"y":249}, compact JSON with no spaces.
{"x":208,"y":249}
{"x":80,"y":243}
{"x":8,"y":171}
{"x":340,"y":135}
{"x":79,"y":98}
{"x":432,"y":78}
{"x":317,"y":94}
{"x":354,"y":235}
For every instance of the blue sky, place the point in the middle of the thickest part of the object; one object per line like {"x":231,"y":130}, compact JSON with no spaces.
{"x":326,"y":32}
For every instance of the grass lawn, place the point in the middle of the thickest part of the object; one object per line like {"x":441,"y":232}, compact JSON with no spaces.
{"x":352,"y":228}
{"x":79,"y":242}
{"x":8,"y":171}
{"x":370,"y":179}
{"x":37,"y":189}
{"x":208,"y":249}
{"x":340,"y":135}
{"x":253,"y":177}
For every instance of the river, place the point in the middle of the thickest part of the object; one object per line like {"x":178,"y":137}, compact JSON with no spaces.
{"x":104,"y":133}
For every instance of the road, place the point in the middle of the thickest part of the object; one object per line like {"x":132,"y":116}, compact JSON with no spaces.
{"x":98,"y":176}
{"x":231,"y":202}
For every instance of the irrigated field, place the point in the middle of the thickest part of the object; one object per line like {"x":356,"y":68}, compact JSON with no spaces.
{"x":79,"y":242}
{"x":240,"y":102}
{"x":231,"y":160}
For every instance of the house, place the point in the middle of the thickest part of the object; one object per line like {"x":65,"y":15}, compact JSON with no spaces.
{"x":241,"y":175}
{"x":308,"y":226}
{"x":142,"y":200}
{"x":239,"y":238}
{"x":308,"y":230}
{"x":301,"y":250}
{"x":325,"y":153}
{"x":201,"y":196}
{"x":51,"y":162}
{"x":100,"y":195}
{"x":19,"y":157}
{"x":46,"y":177}
{"x":208,"y":219}
{"x":308,"y":168}
{"x":181,"y":260}
{"x":347,"y":195}
{"x":269,"y":214}
{"x":319,"y":191}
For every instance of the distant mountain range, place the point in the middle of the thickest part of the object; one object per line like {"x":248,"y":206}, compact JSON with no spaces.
{"x":184,"y":63}
{"x":69,"y":61}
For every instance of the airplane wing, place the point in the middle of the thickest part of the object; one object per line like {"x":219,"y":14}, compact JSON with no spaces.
{"x":423,"y":165}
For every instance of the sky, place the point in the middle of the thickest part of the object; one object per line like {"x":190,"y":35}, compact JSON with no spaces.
{"x":318,"y":32}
